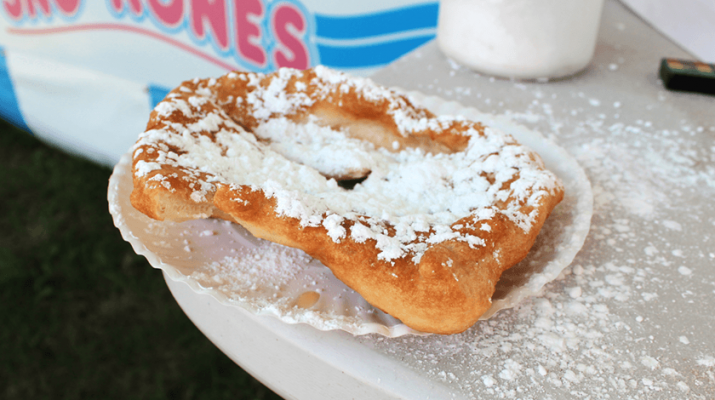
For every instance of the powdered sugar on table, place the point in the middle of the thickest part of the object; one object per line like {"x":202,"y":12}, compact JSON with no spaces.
{"x":630,"y":318}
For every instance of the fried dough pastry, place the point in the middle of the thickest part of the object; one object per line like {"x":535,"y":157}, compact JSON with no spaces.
{"x":419,"y":214}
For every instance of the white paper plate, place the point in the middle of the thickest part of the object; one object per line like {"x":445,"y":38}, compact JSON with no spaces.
{"x":223,"y":260}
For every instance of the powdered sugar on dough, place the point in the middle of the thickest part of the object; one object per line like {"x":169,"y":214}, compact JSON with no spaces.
{"x":418,"y":194}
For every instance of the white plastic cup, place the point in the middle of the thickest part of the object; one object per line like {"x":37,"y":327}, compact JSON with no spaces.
{"x":522,"y":39}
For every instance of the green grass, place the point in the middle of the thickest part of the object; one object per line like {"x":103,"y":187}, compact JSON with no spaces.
{"x":81,"y":315}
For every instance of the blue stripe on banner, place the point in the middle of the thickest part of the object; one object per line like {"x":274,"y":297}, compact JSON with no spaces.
{"x":421,"y":16}
{"x":157,"y":94}
{"x":369,"y":55}
{"x":9,"y":109}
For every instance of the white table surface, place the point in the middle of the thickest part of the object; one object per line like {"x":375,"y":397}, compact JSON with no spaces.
{"x":633,"y":316}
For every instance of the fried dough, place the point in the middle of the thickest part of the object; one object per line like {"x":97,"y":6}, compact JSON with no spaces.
{"x":440,"y":206}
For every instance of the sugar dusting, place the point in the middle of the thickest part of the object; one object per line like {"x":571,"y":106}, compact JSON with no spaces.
{"x":563,"y":343}
{"x":270,"y":279}
{"x":410,"y":198}
{"x":265,"y":267}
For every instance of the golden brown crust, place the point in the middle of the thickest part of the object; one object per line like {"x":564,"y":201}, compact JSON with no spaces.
{"x":450,"y":286}
{"x":367,"y":119}
{"x":431,"y":296}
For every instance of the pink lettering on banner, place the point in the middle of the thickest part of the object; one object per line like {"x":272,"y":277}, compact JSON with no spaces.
{"x":134,"y":5}
{"x":17,"y":9}
{"x":291,"y":52}
{"x":213,"y":12}
{"x":169,"y":13}
{"x":43,"y":5}
{"x":248,"y":32}
{"x":68,"y":7}
{"x":13,"y":8}
{"x":257,"y":34}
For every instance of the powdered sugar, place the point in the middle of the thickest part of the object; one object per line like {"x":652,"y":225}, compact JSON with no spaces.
{"x":556,"y":345}
{"x":418,"y":194}
{"x":330,"y":152}
{"x":264,"y":267}
{"x":706,"y":361}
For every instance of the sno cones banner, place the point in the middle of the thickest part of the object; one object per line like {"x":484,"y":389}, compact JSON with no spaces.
{"x":84,"y":74}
